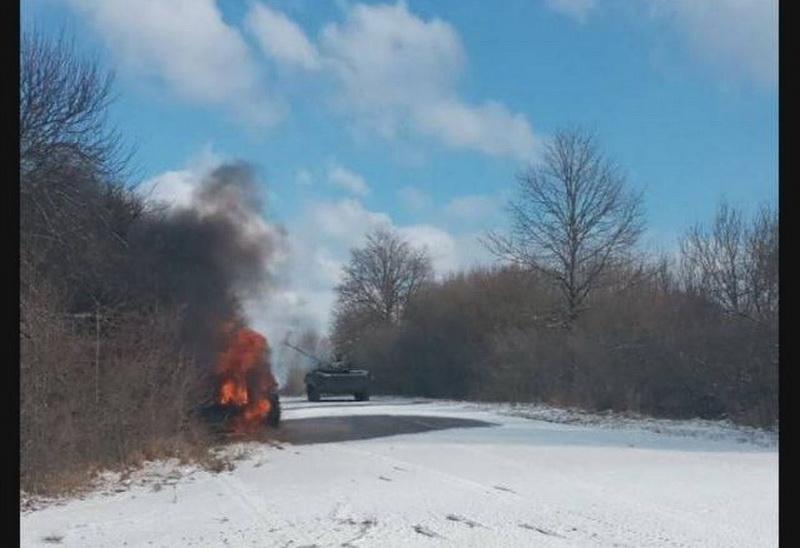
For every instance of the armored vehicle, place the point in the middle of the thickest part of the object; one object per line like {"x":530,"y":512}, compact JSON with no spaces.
{"x":329,"y":381}
{"x":335,"y":378}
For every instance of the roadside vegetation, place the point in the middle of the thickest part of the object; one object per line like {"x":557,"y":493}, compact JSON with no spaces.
{"x":121,"y":302}
{"x":577,"y":313}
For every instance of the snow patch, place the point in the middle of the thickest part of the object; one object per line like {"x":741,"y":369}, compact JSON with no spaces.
{"x":719,"y":430}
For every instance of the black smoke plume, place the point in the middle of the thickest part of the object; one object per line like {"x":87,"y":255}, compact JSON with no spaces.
{"x":201,"y":259}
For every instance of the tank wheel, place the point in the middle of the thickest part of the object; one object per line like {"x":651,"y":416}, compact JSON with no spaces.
{"x":312,"y":393}
{"x":361,"y":396}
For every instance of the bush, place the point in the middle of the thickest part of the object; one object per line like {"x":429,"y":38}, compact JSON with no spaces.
{"x":643,"y":347}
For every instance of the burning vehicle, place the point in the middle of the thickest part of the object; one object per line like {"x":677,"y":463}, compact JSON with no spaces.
{"x":247,"y":393}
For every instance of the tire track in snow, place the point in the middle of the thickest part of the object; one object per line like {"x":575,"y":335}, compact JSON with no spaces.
{"x":253,"y":505}
{"x":592,"y":528}
{"x":645,"y":510}
{"x":484,"y":489}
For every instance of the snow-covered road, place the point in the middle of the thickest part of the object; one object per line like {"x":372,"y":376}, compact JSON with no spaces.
{"x":400,"y":472}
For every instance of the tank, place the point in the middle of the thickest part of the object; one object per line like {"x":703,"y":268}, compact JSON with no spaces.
{"x":332,"y":381}
{"x":335,"y":379}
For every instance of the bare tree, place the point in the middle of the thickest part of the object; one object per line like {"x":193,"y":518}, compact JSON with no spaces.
{"x":382,"y":276}
{"x":734,"y":263}
{"x":70,"y":160}
{"x":573,"y":218}
{"x":63,"y":108}
{"x":713,"y":261}
{"x":762,"y":265}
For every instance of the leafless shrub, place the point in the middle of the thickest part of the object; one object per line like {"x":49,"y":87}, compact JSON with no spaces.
{"x":734,"y":263}
{"x":112,"y":400}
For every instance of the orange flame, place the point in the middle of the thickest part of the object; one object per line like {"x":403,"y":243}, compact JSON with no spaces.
{"x":245,"y":379}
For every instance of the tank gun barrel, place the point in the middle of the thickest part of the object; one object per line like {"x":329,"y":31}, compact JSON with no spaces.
{"x":304,"y":353}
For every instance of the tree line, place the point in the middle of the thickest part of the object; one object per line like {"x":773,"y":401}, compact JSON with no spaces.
{"x":576,"y":313}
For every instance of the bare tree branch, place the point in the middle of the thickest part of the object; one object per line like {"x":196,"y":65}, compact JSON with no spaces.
{"x":734,"y":263}
{"x":380,"y":279}
{"x":572,"y":218}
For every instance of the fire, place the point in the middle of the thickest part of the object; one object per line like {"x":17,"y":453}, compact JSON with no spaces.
{"x":244,"y":376}
{"x":233,"y":392}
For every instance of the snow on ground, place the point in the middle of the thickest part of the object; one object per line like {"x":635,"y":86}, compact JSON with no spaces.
{"x":453,"y":474}
{"x":708,"y":429}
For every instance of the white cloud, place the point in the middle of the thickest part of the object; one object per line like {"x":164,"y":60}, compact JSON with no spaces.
{"x":348,"y":180}
{"x":281,"y":38}
{"x":345,"y":220}
{"x":575,"y":9}
{"x":175,"y":188}
{"x":185,"y":46}
{"x":385,"y":56}
{"x":414,"y":198}
{"x":489,"y":128}
{"x":333,"y":228}
{"x":397,"y":73}
{"x":472,"y":252}
{"x":438,"y":243}
{"x":320,"y":241}
{"x":736,"y":35}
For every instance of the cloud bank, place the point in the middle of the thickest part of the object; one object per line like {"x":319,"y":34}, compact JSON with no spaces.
{"x":383,"y":67}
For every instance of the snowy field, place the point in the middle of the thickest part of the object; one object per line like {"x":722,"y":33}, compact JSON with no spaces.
{"x":401,"y":472}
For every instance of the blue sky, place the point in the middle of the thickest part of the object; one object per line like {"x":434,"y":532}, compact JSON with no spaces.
{"x":419,"y":114}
